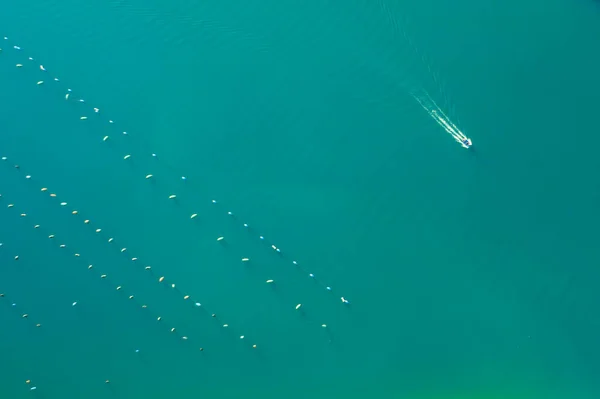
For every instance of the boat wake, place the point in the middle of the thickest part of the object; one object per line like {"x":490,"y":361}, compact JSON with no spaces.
{"x":438,"y":115}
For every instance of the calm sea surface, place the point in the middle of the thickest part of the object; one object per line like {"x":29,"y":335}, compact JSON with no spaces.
{"x":471,"y":274}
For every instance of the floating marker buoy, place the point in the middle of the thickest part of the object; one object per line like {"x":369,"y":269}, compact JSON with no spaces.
{"x":225,"y":325}
{"x":172,"y":196}
{"x":127,"y":156}
{"x":160,"y":280}
{"x":105,"y":138}
{"x":83,"y":118}
{"x":44,"y":189}
{"x":41,"y":82}
{"x":74,"y":212}
{"x":298,"y":306}
{"x":86,"y":221}
{"x":245,"y":259}
{"x":67,"y":96}
{"x":63,"y":204}
{"x":193,"y":215}
{"x":220,"y":238}
{"x":118,"y":288}
{"x":98,"y":230}
{"x":186,"y":297}
{"x":269,"y":281}
{"x":123,"y":249}
{"x":133,"y":259}
{"x":148,"y":176}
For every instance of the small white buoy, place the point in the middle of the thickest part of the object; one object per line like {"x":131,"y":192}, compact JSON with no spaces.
{"x":133,"y":259}
{"x":193,"y":215}
{"x":98,"y":230}
{"x":63,"y":203}
{"x":298,"y":306}
{"x":74,"y":303}
{"x":123,"y":249}
{"x":269,"y":281}
{"x":148,"y":176}
{"x":198,"y":304}
{"x":42,"y":68}
{"x":127,"y":156}
{"x":41,"y":82}
{"x":19,"y":65}
{"x":96,"y":110}
{"x":105,"y":138}
{"x":83,"y":118}
{"x":245,"y":259}
{"x":172,"y":196}
{"x":67,"y":96}
{"x":220,"y":238}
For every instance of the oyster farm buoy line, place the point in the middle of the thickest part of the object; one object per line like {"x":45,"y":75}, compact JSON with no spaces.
{"x":112,"y":131}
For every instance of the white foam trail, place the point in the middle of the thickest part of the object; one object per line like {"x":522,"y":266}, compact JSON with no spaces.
{"x":438,"y":115}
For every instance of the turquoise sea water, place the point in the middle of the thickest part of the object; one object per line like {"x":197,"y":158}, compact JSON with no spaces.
{"x":471,"y":274}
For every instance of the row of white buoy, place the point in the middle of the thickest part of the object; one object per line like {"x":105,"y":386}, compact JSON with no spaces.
{"x":269,"y":245}
{"x":25,"y":316}
{"x":117,"y":287}
{"x":123,"y":249}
